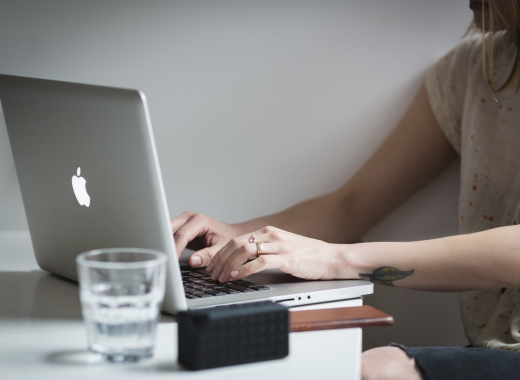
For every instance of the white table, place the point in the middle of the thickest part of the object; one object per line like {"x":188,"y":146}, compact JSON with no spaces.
{"x":42,"y":335}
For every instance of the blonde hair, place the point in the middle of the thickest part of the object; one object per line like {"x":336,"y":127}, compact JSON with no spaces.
{"x":511,"y":23}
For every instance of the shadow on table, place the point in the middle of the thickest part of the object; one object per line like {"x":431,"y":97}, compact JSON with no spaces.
{"x":73,"y":358}
{"x":165,"y":366}
{"x":42,"y":296}
{"x":84,"y":357}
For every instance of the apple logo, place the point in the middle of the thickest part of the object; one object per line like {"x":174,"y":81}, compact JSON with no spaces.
{"x":78,"y":185}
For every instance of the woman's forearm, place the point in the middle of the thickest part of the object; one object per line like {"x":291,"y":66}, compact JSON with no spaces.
{"x":411,"y":156}
{"x":330,"y":218}
{"x":483,"y":260}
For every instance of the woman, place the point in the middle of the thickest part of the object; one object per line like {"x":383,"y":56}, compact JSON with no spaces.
{"x":461,"y":110}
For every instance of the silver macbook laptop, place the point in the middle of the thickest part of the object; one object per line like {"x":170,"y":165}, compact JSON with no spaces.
{"x":89,"y":175}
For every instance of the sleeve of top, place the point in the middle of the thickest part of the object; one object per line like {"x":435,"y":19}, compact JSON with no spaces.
{"x":446,"y":84}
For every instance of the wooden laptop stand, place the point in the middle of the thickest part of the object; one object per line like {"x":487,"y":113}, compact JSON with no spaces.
{"x":340,"y":318}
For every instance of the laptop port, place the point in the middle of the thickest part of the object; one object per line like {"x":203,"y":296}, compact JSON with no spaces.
{"x":287,"y":300}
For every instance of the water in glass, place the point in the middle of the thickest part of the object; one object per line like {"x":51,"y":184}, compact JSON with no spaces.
{"x":121,"y":303}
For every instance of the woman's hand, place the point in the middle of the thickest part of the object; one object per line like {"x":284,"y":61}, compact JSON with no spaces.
{"x":294,"y":254}
{"x":201,"y":233}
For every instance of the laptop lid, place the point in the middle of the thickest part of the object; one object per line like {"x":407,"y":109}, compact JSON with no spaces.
{"x":89,"y":174}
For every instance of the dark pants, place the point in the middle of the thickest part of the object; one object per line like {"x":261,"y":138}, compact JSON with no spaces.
{"x":461,"y":363}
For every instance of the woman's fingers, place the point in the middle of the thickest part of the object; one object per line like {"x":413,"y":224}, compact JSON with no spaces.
{"x":220,"y":259}
{"x":203,"y":257}
{"x":261,"y":263}
{"x":266,"y":241}
{"x":239,"y":257}
{"x":202,"y":234}
{"x":193,"y":227}
{"x":180,"y":221}
{"x":246,"y":253}
{"x":222,"y":256}
{"x":242,"y":256}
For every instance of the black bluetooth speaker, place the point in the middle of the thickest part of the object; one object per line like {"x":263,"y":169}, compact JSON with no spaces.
{"x":235,"y":334}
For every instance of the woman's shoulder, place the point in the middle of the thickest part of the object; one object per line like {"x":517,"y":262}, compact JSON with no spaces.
{"x":463,"y":56}
{"x":466,"y":58}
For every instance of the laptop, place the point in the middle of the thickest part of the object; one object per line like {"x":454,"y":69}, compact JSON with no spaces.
{"x":89,"y":175}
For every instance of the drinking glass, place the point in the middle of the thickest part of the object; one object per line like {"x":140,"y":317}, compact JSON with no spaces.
{"x":121,"y":291}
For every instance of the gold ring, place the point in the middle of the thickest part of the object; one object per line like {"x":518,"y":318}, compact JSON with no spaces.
{"x":259,"y":248}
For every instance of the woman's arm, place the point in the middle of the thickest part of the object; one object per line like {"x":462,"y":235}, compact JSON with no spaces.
{"x":410,"y":157}
{"x":483,"y":260}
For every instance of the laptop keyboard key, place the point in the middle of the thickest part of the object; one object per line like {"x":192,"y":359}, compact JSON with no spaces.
{"x":229,"y":291}
{"x":242,"y":289}
{"x":215,"y":292}
{"x":237,"y":287}
{"x":204,"y":295}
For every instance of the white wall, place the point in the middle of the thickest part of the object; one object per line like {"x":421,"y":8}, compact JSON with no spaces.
{"x":256,"y":105}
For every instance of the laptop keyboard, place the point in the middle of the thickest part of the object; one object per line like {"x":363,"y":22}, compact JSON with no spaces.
{"x":200,"y":285}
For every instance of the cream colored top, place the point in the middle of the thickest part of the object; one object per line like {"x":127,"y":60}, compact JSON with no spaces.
{"x":485,"y":131}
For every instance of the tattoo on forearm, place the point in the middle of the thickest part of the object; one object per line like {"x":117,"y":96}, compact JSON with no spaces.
{"x":385,"y":275}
